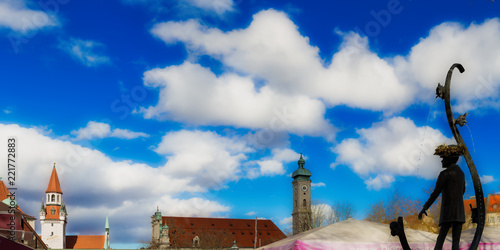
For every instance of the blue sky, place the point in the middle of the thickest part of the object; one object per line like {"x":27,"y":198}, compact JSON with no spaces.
{"x":202,"y":107}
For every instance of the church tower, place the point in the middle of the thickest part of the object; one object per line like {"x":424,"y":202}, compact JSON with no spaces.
{"x":53,"y":216}
{"x":301,"y":184}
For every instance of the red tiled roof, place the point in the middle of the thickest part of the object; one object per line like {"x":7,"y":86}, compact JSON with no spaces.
{"x":51,"y":216}
{"x":85,"y":242}
{"x":493,"y":203}
{"x":4,"y":192}
{"x":54,"y":186}
{"x":182,"y":230}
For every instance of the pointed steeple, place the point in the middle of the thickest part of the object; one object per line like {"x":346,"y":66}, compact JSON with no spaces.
{"x":54,"y":186}
{"x":42,"y":209}
{"x":106,"y":234}
{"x":106,"y":226}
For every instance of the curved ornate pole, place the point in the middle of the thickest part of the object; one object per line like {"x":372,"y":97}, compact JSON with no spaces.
{"x":444,"y":93}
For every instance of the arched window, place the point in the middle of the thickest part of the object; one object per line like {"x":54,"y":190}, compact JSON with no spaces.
{"x":52,"y":211}
{"x":53,"y":198}
{"x":304,"y":203}
{"x":58,"y":198}
{"x":196,"y":241}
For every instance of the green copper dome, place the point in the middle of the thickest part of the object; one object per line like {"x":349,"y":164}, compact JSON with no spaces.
{"x":301,"y":173}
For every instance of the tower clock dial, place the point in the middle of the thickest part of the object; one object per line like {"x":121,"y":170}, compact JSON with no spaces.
{"x":304,"y":188}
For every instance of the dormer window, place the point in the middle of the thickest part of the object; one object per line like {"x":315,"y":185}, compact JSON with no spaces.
{"x":52,"y":211}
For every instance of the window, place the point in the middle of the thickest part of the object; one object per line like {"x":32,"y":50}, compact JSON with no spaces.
{"x":58,"y":198}
{"x":495,"y":206}
{"x":196,"y":241}
{"x":51,"y":233}
{"x":52,"y":224}
{"x":53,"y":198}
{"x":304,"y":203}
{"x":52,"y":211}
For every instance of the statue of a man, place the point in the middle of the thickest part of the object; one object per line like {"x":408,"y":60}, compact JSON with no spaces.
{"x":451,"y":184}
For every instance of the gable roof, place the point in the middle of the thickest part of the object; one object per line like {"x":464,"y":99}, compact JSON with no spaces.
{"x":85,"y":242}
{"x":54,"y":186}
{"x":220,"y":231}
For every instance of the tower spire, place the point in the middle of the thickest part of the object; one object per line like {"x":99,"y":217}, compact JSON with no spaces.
{"x":54,"y":186}
{"x":106,"y":234}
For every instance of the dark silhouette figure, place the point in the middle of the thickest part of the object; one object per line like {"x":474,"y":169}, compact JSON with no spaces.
{"x":451,"y":184}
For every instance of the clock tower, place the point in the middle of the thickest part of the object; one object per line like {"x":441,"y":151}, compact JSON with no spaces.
{"x":301,"y":184}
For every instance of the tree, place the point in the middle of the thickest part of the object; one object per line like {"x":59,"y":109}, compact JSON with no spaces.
{"x":342,"y":211}
{"x":320,"y":214}
{"x":377,"y":212}
{"x":398,"y":206}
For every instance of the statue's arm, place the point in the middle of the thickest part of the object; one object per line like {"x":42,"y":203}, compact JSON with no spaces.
{"x":437,"y":190}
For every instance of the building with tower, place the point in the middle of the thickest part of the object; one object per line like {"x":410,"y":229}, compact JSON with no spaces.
{"x":301,"y":185}
{"x":54,"y":218}
{"x":171,"y":232}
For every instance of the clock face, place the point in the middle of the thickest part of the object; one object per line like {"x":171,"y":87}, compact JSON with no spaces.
{"x":304,"y":188}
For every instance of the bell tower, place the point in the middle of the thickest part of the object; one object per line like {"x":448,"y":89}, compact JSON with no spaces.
{"x":53,"y":215}
{"x":301,"y":185}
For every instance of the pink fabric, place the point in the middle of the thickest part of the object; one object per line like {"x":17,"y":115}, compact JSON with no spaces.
{"x":325,"y":245}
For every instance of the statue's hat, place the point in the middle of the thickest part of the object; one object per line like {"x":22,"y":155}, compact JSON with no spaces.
{"x":449,"y":150}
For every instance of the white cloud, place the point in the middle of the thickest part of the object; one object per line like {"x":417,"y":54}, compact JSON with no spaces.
{"x":16,"y":16}
{"x":101,"y":130}
{"x":85,"y":51}
{"x":487,"y":179}
{"x":272,"y":49}
{"x":475,"y":46}
{"x":251,"y":213}
{"x":127,"y":134}
{"x":203,"y":158}
{"x":392,"y":147}
{"x":286,"y":221}
{"x":272,"y":165}
{"x":218,"y":6}
{"x":192,"y":94}
{"x":318,"y":184}
{"x":379,"y":182}
{"x":84,"y":173}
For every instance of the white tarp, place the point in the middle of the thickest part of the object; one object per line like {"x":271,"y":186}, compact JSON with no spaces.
{"x":363,"y":235}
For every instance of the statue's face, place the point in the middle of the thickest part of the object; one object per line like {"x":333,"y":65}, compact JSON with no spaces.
{"x":447,"y":161}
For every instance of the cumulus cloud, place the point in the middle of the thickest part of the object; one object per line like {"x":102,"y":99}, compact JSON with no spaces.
{"x":193,"y":94}
{"x":272,"y":48}
{"x":100,"y":130}
{"x":218,"y":6}
{"x":84,"y":173}
{"x":16,"y":16}
{"x":475,"y":47}
{"x":272,"y":165}
{"x":392,"y":147}
{"x":202,"y":157}
{"x":87,"y":52}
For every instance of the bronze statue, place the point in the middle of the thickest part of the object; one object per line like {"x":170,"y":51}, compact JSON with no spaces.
{"x":451,"y":184}
{"x":478,"y":213}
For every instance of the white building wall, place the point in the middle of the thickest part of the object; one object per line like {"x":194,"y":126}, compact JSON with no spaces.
{"x":53,"y":233}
